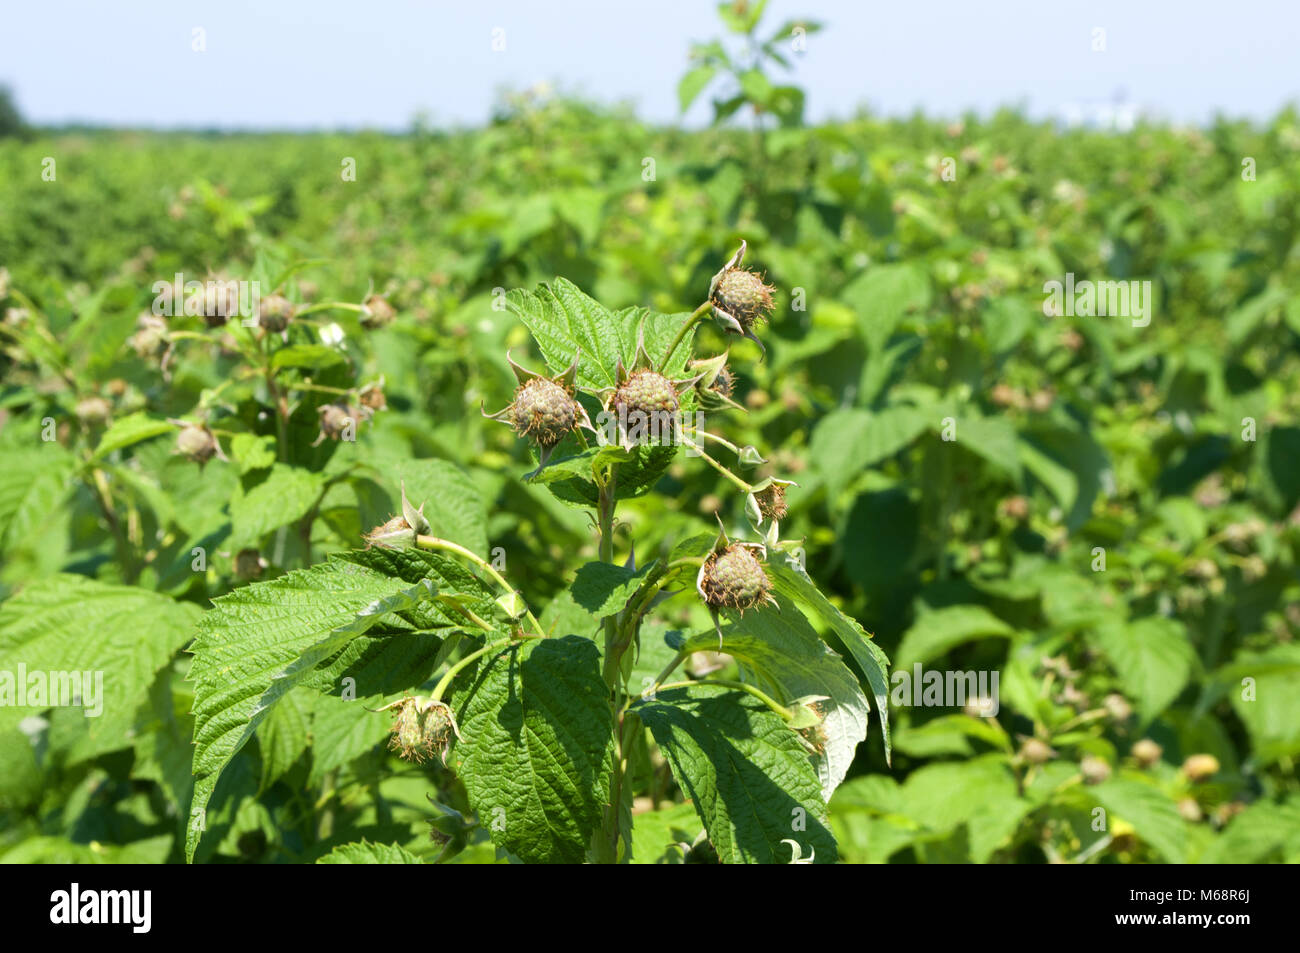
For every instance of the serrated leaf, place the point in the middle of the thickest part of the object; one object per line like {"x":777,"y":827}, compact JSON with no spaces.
{"x":537,"y":737}
{"x":310,"y":356}
{"x":365,"y":852}
{"x":452,"y":502}
{"x":1151,"y":812}
{"x":938,"y":630}
{"x":1152,"y":658}
{"x":130,"y":430}
{"x":252,"y":452}
{"x":790,"y":580}
{"x":34,"y":481}
{"x":74,"y":624}
{"x":565,"y":321}
{"x":604,"y":588}
{"x":846,"y":442}
{"x":260,"y":641}
{"x":780,"y":652}
{"x":692,"y":84}
{"x":285,"y":496}
{"x":283,"y":736}
{"x":747,"y":772}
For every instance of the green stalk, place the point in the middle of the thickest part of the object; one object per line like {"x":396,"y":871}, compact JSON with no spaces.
{"x":685,"y":328}
{"x":456,"y":669}
{"x":766,"y":699}
{"x":434,"y":542}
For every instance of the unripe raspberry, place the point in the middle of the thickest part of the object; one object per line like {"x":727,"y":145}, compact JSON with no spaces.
{"x":743,"y":295}
{"x":646,"y":401}
{"x":249,"y":564}
{"x":220,"y":301}
{"x":395,"y":534}
{"x":377,"y":313}
{"x":372,"y":397}
{"x":725,"y":385}
{"x":197,"y":443}
{"x":335,"y":421}
{"x":734,"y":578}
{"x":1095,"y":770}
{"x":771,"y":502}
{"x":274,"y":313}
{"x":1200,"y":766}
{"x":93,"y":410}
{"x":1035,"y":751}
{"x":422,"y":728}
{"x":1147,"y":752}
{"x":150,"y":335}
{"x":543,"y":411}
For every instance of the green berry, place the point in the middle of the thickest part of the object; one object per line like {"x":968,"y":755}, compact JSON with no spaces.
{"x":734,"y":579}
{"x":646,"y":401}
{"x":274,"y":313}
{"x":543,"y":411}
{"x":744,"y":296}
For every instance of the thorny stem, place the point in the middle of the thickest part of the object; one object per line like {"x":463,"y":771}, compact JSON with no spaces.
{"x":684,"y":330}
{"x":434,"y":542}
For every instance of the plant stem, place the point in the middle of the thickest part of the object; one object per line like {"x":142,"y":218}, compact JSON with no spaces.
{"x":456,"y":669}
{"x":766,"y":699}
{"x":735,"y":480}
{"x":434,"y":542}
{"x":607,"y":847}
{"x":685,"y":328}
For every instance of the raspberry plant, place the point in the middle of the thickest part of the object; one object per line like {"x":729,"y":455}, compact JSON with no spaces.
{"x":553,"y":723}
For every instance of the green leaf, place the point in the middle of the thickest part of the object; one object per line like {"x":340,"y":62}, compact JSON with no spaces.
{"x":992,"y":438}
{"x":1268,"y":705}
{"x":1261,"y":833}
{"x":791,"y":581}
{"x":938,"y":630}
{"x":846,"y":442}
{"x":1152,"y":658}
{"x":284,"y":735}
{"x":580,"y":464}
{"x":365,"y":852}
{"x":452,"y":502}
{"x":693,"y":83}
{"x":756,"y":86}
{"x":1154,"y":816}
{"x":260,"y":641}
{"x":309,"y":356}
{"x":67,"y":624}
{"x":34,"y":481}
{"x":746,"y":771}
{"x":536,"y":748}
{"x":781,"y":653}
{"x":285,"y":496}
{"x":604,"y":588}
{"x":883,"y":295}
{"x":128,"y":430}
{"x":565,"y":321}
{"x":252,"y":452}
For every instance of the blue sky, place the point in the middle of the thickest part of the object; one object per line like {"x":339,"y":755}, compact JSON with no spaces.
{"x":339,"y":63}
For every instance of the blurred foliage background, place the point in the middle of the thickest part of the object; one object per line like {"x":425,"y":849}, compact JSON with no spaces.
{"x":905,"y":297}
